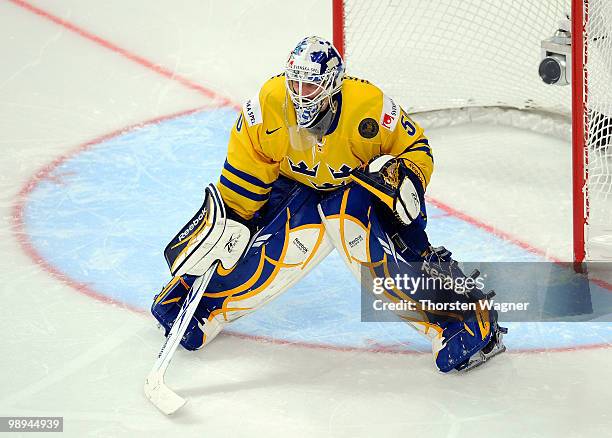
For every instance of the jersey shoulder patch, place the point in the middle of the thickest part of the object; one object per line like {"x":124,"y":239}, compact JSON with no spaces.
{"x":252,"y":111}
{"x":390,"y":113}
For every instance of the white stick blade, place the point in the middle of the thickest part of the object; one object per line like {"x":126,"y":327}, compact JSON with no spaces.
{"x":162,"y":396}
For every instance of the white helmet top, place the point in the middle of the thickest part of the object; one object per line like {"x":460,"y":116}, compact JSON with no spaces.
{"x":314,"y":73}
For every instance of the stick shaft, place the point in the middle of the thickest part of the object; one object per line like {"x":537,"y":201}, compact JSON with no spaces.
{"x":182,"y":321}
{"x":155,"y":389}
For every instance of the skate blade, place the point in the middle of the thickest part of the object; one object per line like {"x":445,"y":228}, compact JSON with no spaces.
{"x":482,"y":360}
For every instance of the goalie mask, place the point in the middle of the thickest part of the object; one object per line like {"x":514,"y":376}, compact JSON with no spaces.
{"x":314,"y":73}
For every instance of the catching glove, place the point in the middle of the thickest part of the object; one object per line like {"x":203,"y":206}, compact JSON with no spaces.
{"x":388,"y":178}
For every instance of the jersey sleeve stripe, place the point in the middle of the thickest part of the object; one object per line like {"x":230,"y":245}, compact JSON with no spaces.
{"x":244,"y":184}
{"x":424,"y":146}
{"x":425,"y":149}
{"x":245,"y":176}
{"x":422,"y":141}
{"x":242,"y":191}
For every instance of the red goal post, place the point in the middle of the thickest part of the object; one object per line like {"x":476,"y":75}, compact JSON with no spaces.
{"x":503,"y":40}
{"x":580,"y":215}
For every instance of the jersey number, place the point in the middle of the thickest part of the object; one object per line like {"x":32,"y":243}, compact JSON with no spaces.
{"x":407,"y":124}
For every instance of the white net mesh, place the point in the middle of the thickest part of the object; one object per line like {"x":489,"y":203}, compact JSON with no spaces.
{"x":445,"y":54}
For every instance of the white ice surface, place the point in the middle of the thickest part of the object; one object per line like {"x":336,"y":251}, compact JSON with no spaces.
{"x":65,"y":354}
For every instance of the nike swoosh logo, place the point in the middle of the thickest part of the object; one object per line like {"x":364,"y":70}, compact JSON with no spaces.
{"x":273,"y":131}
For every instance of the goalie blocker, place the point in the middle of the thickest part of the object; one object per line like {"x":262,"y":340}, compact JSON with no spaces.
{"x":297,"y":228}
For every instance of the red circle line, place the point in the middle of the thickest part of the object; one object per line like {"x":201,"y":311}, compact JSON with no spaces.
{"x":23,"y":238}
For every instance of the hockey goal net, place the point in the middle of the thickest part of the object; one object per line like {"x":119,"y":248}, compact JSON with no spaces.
{"x":472,"y":61}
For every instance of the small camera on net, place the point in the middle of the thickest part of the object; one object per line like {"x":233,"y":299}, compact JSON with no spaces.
{"x":555,"y":66}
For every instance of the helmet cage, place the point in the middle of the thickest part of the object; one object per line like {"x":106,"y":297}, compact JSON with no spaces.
{"x":313,"y":74}
{"x":308,"y":105}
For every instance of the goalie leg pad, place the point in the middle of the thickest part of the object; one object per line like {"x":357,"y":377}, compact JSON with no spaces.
{"x":279,"y":255}
{"x":167,"y":303}
{"x":166,"y":306}
{"x":374,"y":245}
{"x":365,"y":232}
{"x":477,"y":337}
{"x":462,"y":353}
{"x":462,"y":340}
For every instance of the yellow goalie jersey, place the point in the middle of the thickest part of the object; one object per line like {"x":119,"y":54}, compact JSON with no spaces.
{"x":266,"y":142}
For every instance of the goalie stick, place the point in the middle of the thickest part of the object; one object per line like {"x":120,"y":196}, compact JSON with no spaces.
{"x":210,"y":239}
{"x":166,"y":400}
